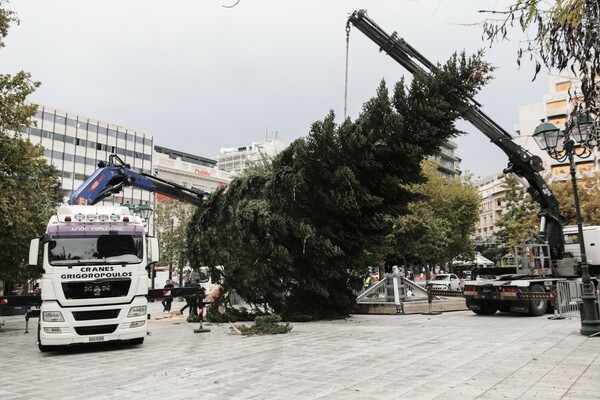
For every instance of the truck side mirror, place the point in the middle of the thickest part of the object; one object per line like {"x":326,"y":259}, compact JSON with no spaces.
{"x":154,"y":249}
{"x":34,"y":249}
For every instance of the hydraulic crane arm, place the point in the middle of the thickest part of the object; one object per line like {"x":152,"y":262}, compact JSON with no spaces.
{"x":522,"y":163}
{"x":113,"y":177}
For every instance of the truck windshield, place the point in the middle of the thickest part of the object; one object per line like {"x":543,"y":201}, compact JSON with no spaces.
{"x":104,"y":249}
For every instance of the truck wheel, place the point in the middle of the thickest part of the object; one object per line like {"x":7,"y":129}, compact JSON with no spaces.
{"x":504,"y":306}
{"x":139,"y":340}
{"x":537,"y":307}
{"x":485,"y":307}
{"x":488,"y":307}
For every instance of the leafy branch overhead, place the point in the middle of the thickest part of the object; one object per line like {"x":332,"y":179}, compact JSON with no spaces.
{"x":566,"y":35}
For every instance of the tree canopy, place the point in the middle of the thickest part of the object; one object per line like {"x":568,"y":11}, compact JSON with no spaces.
{"x":29,"y":189}
{"x":520,"y":219}
{"x":171,"y":221}
{"x":440,"y":223}
{"x":298,"y":235}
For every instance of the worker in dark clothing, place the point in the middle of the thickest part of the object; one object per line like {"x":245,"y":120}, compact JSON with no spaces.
{"x":188,"y":300}
{"x":195,"y":302}
{"x":168,"y":296}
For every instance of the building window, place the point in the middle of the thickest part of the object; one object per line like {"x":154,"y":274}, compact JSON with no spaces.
{"x":71,"y":122}
{"x":92,"y":128}
{"x":558,"y":120}
{"x":48,"y":117}
{"x":556,"y":105}
{"x":563,"y":86}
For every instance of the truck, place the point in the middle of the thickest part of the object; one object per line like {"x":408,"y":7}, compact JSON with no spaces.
{"x":543,"y":261}
{"x":96,"y":261}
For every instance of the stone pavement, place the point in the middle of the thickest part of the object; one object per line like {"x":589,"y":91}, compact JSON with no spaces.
{"x":455,"y":355}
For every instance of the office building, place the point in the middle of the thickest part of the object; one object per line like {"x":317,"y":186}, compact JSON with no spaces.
{"x":75,"y":144}
{"x":448,"y":160}
{"x":188,"y":170}
{"x":238,"y":159}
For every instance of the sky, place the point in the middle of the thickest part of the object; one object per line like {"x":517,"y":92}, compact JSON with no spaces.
{"x":201,"y":75}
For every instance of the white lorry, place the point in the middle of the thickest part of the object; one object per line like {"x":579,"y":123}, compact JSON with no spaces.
{"x":95,"y":261}
{"x":95,"y":282}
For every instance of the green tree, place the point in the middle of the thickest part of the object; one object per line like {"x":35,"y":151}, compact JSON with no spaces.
{"x":566,"y":36}
{"x":29,"y":190}
{"x":589,"y":199}
{"x":171,"y":221}
{"x":520,"y":220}
{"x":441,"y":222}
{"x":299,"y":235}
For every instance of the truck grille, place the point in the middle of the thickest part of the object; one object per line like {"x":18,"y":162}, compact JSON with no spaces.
{"x":96,"y":289}
{"x":96,"y":314}
{"x":95,"y":330}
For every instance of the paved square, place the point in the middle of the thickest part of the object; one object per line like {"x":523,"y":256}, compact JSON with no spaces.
{"x":455,"y":355}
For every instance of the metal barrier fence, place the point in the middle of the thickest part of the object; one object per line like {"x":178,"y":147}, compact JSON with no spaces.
{"x":394,"y":289}
{"x":568,"y":297}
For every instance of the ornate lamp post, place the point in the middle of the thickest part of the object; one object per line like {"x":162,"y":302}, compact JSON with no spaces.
{"x":130,"y":206}
{"x":560,"y":145}
{"x":144,"y":211}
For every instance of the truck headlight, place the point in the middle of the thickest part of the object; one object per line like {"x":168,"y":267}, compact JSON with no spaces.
{"x":137,"y":311}
{"x":52,"y":316}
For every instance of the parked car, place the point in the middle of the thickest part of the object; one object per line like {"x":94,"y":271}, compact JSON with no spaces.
{"x":446,"y":282}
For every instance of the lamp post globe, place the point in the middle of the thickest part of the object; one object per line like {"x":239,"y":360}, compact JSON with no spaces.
{"x":144,"y":211}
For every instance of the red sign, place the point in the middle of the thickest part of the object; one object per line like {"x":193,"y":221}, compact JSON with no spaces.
{"x":202,"y":172}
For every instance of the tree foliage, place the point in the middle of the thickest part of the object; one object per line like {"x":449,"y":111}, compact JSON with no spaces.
{"x":567,"y":35}
{"x":440,"y":223}
{"x":298,"y":236}
{"x":589,"y":199}
{"x":29,"y":189}
{"x":520,"y":219}
{"x":171,"y":221}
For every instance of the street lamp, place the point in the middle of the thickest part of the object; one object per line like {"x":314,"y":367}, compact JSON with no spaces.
{"x":129,"y":206}
{"x":144,"y":211}
{"x":560,"y":145}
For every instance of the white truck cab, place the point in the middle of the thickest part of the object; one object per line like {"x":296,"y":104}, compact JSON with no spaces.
{"x":95,"y":281}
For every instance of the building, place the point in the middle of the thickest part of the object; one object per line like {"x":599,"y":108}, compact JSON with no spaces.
{"x":493,"y":207}
{"x":555,"y":109}
{"x":75,"y":144}
{"x":238,"y":159}
{"x":448,"y":160}
{"x":188,"y":170}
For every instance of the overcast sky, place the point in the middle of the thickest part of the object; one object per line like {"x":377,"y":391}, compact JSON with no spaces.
{"x":200,"y":77}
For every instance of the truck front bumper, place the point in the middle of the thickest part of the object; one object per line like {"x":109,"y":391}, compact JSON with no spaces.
{"x":93,"y":324}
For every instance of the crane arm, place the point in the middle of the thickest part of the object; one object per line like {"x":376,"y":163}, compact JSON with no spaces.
{"x":110,"y":178}
{"x":521,"y":162}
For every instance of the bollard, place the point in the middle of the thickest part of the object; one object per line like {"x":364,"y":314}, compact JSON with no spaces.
{"x":430,"y":301}
{"x":201,"y":329}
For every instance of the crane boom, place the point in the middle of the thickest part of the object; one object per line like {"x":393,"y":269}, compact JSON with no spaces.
{"x":521,"y":163}
{"x":113,"y":176}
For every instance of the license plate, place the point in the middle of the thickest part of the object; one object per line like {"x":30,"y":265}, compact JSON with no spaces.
{"x":96,"y":338}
